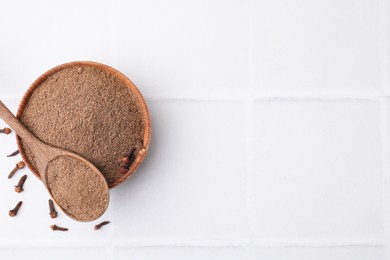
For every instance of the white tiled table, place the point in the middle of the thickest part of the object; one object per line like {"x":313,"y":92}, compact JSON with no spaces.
{"x":270,"y":127}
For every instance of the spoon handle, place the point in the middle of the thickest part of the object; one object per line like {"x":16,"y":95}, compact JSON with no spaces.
{"x":18,"y":127}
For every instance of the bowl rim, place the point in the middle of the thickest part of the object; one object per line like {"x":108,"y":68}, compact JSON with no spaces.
{"x":145,"y":112}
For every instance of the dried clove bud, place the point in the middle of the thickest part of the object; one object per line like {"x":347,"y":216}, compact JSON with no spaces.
{"x":19,"y":165}
{"x":53,"y":213}
{"x":98,"y":226}
{"x":123,"y":170}
{"x":5,"y":130}
{"x":19,"y":187}
{"x":57,"y":228}
{"x":126,"y":161}
{"x":13,"y":154}
{"x":14,"y":212}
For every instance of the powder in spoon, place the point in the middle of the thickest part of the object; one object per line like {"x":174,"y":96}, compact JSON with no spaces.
{"x":76,"y":188}
{"x":90,"y":112}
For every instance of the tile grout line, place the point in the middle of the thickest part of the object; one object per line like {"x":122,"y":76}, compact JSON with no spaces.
{"x":385,"y":171}
{"x":384,"y":80}
{"x":257,"y":98}
{"x":113,"y":40}
{"x":249,"y":133}
{"x":193,"y":244}
{"x":383,"y":48}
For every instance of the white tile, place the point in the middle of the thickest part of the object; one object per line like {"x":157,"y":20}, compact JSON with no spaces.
{"x":192,"y":185}
{"x":385,"y":33}
{"x":318,"y":171}
{"x":317,"y":47}
{"x":179,"y":253}
{"x":386,"y":155}
{"x":184,"y":49}
{"x":53,"y":253}
{"x":331,"y":253}
{"x":38,"y":36}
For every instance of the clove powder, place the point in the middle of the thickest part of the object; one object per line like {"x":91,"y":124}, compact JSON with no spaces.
{"x":76,"y":189}
{"x":87,"y":111}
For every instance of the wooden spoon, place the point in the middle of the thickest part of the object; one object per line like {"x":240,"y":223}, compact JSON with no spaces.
{"x":94,"y":185}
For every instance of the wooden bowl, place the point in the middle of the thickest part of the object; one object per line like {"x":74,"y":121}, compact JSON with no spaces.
{"x":145,"y":113}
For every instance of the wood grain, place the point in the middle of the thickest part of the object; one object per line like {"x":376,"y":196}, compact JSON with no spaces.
{"x":145,"y":112}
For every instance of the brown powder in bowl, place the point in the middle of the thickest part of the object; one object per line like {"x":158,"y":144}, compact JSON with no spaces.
{"x":76,"y":189}
{"x":87,"y":111}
